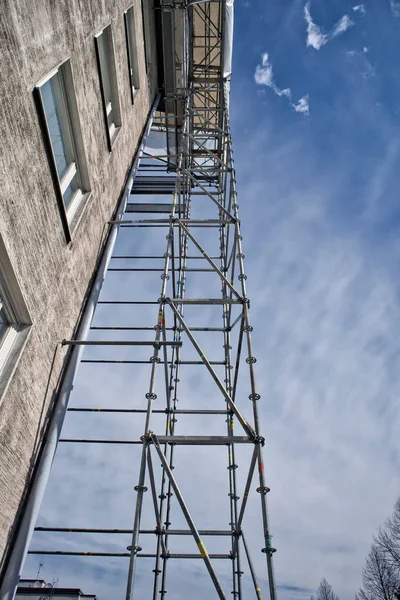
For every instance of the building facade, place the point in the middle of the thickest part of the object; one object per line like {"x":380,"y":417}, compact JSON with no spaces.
{"x":78,"y":81}
{"x":38,"y":589}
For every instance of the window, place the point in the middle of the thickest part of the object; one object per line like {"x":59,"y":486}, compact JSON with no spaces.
{"x":131,"y":47}
{"x":14,"y":320}
{"x":147,"y":11}
{"x":58,"y":106}
{"x":108,"y":81}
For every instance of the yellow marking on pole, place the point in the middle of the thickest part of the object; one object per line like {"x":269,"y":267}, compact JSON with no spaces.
{"x":202,"y":549}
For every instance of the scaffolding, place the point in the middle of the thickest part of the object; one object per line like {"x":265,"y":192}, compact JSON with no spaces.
{"x":182,"y":194}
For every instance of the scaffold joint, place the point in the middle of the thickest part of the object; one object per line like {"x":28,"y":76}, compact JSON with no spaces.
{"x":263,"y":490}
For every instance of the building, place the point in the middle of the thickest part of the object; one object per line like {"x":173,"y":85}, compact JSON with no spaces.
{"x":38,"y":589}
{"x":78,"y":81}
{"x":180,"y":195}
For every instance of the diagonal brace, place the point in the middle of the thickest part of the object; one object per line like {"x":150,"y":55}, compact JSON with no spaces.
{"x":209,"y":260}
{"x":187,"y":515}
{"x":246,"y":426}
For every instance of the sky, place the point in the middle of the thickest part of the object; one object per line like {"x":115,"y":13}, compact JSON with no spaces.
{"x":315,"y":115}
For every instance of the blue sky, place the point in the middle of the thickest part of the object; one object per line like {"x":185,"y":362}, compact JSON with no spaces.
{"x":324,"y":187}
{"x":317,"y":172}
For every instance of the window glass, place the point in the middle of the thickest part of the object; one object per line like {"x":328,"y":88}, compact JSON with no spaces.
{"x":147,"y":6}
{"x":54,"y":126}
{"x":69,"y":192}
{"x":108,"y":80}
{"x":104,"y":58}
{"x":132,"y":50}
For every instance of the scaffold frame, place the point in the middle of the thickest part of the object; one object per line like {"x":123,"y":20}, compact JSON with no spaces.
{"x":201,"y":172}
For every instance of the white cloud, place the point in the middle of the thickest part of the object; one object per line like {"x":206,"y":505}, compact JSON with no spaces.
{"x":316,"y":38}
{"x":341,"y":26}
{"x":395,"y":6}
{"x":264,"y":76}
{"x":302,"y":106}
{"x":360,"y":8}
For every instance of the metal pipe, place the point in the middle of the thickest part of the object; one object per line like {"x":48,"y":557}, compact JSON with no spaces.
{"x":23,"y":536}
{"x":117,"y":343}
{"x":252,"y":571}
{"x":126,"y":555}
{"x":203,"y":552}
{"x":159,"y":411}
{"x":216,"y":532}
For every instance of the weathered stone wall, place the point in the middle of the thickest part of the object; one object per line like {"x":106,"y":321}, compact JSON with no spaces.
{"x":36,"y":36}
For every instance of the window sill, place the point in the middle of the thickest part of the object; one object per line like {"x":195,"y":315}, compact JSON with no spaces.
{"x":134,"y":94}
{"x":114,"y":134}
{"x":78,"y":213}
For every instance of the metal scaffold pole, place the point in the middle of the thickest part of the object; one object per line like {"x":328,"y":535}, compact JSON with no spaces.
{"x":202,"y":367}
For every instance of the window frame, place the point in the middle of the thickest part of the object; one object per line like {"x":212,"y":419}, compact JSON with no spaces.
{"x":131,"y":49}
{"x":109,"y":70}
{"x":18,"y":319}
{"x":65,"y":103}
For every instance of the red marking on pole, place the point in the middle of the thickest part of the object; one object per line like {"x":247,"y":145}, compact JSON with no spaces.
{"x":261,"y":467}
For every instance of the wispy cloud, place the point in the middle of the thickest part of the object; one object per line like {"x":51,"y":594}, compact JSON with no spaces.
{"x":341,"y":26}
{"x":316,"y":37}
{"x":395,"y":6}
{"x":359,"y":8}
{"x":264,"y":76}
{"x":361,"y":62}
{"x":302,"y":106}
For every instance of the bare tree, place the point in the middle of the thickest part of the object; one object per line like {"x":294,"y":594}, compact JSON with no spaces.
{"x":388,"y":539}
{"x":379,"y":577}
{"x":325,"y":592}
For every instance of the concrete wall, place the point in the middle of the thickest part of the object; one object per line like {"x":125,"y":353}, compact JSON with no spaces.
{"x":37,"y":35}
